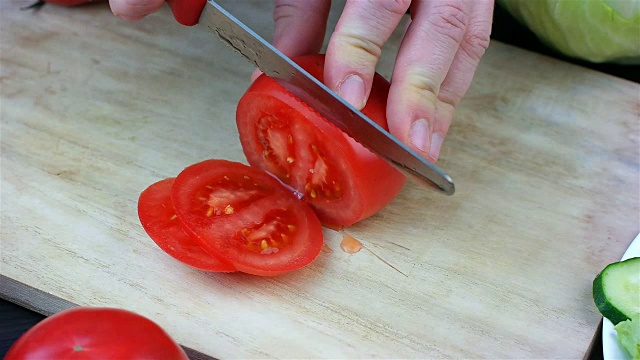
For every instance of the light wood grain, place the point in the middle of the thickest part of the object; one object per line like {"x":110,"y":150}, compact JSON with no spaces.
{"x":48,"y":304}
{"x":545,"y":156}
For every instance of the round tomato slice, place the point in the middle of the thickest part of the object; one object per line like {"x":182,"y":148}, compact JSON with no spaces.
{"x":95,"y":333}
{"x":247,"y":217}
{"x":159,"y":220}
{"x":343,"y":181}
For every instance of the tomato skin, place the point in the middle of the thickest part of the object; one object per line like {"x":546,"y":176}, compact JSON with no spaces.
{"x":95,"y":333}
{"x":247,"y":217}
{"x":157,"y":216}
{"x":368,"y":182}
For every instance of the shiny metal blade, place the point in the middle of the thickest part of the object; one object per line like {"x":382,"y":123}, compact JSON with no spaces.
{"x":319,"y":97}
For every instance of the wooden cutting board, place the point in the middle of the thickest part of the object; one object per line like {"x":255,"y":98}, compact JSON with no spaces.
{"x":545,"y":156}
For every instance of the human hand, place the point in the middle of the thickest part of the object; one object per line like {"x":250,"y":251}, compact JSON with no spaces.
{"x":435,"y":64}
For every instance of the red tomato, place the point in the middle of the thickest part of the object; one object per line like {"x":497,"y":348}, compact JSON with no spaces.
{"x":246,"y":217}
{"x":341,"y":180}
{"x":159,"y":220}
{"x":95,"y":333}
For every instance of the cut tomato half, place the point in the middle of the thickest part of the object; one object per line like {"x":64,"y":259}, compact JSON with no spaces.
{"x":247,"y":217}
{"x":343,"y":181}
{"x":159,"y":220}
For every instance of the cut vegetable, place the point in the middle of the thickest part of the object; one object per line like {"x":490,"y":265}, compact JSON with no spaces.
{"x":159,"y":220}
{"x":629,"y":335}
{"x":616,"y":290}
{"x":246,"y":217}
{"x":343,"y":181}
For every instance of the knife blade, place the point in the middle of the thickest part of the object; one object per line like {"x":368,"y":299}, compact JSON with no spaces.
{"x":319,"y":97}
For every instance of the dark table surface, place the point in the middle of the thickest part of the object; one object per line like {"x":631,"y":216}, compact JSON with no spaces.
{"x":15,"y":320}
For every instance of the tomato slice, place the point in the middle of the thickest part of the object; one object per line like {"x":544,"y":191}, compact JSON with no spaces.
{"x":247,"y":217}
{"x":159,"y":220}
{"x":343,"y":181}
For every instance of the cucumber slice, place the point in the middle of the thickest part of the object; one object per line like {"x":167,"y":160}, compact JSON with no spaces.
{"x":616,"y":290}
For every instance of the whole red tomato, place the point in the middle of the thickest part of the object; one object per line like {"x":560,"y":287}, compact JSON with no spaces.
{"x":95,"y":333}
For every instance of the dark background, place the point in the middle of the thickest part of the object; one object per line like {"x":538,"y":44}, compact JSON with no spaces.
{"x":15,"y":320}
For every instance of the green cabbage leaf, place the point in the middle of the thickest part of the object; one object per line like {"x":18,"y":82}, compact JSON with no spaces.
{"x":592,"y":30}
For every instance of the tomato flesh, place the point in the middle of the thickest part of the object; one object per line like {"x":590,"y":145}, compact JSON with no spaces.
{"x":339,"y":178}
{"x":159,"y":220}
{"x":270,"y":231}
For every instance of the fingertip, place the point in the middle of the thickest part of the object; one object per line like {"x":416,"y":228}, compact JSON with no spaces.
{"x":256,"y":74}
{"x":128,"y":18}
{"x":420,"y":135}
{"x":133,"y":10}
{"x":437,"y":139}
{"x":353,"y":90}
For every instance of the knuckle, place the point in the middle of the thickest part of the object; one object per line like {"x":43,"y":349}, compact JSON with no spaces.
{"x":450,"y":20}
{"x":396,"y":7}
{"x":475,"y":45}
{"x":421,"y":86}
{"x":348,"y":43}
{"x":283,"y":10}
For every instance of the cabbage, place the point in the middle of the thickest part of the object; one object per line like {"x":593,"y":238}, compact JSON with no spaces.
{"x":593,"y":30}
{"x":629,"y":335}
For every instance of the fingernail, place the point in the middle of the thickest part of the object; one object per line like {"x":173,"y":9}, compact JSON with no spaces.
{"x":420,"y":135}
{"x":352,"y":90}
{"x":436,"y":144}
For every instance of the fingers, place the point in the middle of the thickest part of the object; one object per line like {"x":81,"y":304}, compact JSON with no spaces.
{"x":132,"y":10}
{"x":434,"y":67}
{"x":355,"y":46}
{"x":300,"y":26}
{"x":471,"y":50}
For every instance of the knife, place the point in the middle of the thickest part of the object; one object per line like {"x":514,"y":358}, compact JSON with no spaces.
{"x":313,"y":92}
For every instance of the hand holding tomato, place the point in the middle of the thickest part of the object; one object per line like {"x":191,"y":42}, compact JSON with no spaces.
{"x":434,"y":67}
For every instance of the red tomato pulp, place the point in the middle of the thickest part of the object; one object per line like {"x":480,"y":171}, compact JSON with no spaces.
{"x":159,"y":220}
{"x":246,"y":217}
{"x":343,"y":181}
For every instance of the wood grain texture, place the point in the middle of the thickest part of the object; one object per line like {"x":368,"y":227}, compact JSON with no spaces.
{"x":545,"y":156}
{"x":47,"y":304}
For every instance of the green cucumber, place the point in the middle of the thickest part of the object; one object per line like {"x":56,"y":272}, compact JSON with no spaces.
{"x":616,"y":290}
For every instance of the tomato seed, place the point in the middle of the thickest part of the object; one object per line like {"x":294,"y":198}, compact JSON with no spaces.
{"x":210,"y":211}
{"x":313,"y":194}
{"x":228,"y":209}
{"x":289,"y":159}
{"x":264,"y":245}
